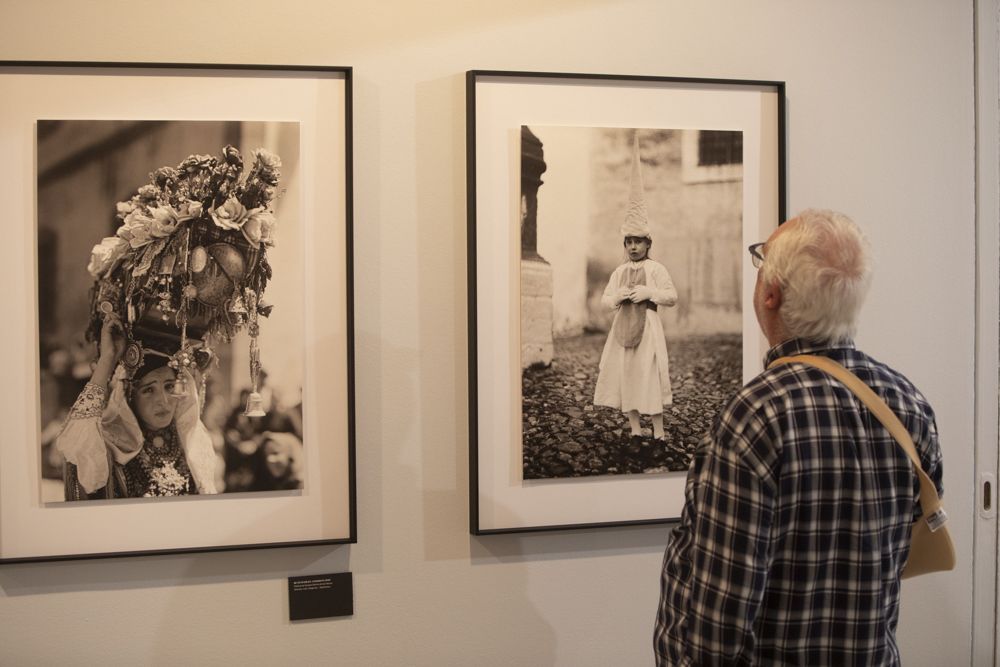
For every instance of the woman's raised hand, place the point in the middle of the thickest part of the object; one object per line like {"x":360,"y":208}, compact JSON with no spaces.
{"x":110,"y":350}
{"x":112,"y":339}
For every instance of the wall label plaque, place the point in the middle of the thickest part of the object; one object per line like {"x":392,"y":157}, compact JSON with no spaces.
{"x":320,"y":596}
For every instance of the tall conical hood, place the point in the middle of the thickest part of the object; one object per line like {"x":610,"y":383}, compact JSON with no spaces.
{"x":636,"y":215}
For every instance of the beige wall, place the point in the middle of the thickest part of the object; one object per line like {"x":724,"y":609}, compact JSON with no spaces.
{"x":880,"y":125}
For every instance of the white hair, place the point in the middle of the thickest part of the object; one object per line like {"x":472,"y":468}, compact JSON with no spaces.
{"x":822,"y":264}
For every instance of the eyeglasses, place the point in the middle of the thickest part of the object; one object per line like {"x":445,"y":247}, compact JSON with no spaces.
{"x":755,"y":255}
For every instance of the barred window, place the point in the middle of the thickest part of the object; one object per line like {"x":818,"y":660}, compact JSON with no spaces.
{"x":718,"y":147}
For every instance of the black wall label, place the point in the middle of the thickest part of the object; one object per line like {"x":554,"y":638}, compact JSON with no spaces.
{"x":320,"y":596}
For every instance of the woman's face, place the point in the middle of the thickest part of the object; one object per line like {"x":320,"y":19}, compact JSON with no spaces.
{"x":636,"y":247}
{"x":153,"y":400}
{"x":276,"y":458}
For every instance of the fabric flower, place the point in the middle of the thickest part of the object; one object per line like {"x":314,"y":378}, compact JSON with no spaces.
{"x":268,"y":223}
{"x":189,"y":210}
{"x":164,"y":175}
{"x":258,"y":227}
{"x":230,"y":215}
{"x":232,"y":156}
{"x":267,"y":166}
{"x":149,"y":192}
{"x":162,"y":222}
{"x":105,"y":254}
{"x":195,"y":163}
{"x":123,"y":208}
{"x":267,"y":159}
{"x":135,"y":228}
{"x":165,"y":220}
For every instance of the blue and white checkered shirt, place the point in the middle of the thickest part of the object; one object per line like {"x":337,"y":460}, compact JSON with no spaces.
{"x":796,"y":522}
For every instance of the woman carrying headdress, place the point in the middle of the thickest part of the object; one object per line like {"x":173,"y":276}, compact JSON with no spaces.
{"x":135,"y":438}
{"x":187,"y":265}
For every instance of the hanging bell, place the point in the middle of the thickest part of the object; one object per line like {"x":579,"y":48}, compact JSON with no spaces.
{"x":255,"y":405}
{"x":180,"y":387}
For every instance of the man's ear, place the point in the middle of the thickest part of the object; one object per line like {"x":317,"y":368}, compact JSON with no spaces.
{"x":772,"y":296}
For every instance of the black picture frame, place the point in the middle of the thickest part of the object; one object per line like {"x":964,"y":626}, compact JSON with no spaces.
{"x":499,"y":104}
{"x":317,"y":100}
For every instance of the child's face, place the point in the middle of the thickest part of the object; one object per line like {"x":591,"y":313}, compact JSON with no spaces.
{"x":636,"y":247}
{"x":276,"y":459}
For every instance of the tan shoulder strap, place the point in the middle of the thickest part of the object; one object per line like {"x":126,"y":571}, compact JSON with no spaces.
{"x":929,"y":500}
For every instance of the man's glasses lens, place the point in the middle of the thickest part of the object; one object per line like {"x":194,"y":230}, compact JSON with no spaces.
{"x":755,"y":255}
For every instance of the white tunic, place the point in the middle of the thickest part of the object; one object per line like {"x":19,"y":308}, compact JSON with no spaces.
{"x":637,"y":378}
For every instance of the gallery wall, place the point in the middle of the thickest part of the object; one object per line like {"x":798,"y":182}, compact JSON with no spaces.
{"x":880,"y":121}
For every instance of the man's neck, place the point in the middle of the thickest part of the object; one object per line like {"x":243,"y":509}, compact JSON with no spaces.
{"x":775,"y":331}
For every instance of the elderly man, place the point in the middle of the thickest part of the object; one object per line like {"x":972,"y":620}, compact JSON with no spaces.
{"x":798,"y":503}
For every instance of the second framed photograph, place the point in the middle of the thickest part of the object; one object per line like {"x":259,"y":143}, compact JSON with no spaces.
{"x":609,"y":285}
{"x":183,"y":342}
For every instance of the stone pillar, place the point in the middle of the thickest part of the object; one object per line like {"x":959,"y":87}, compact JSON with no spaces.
{"x":536,"y":273}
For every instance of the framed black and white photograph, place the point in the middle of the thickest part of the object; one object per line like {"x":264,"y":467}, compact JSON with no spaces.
{"x":608,"y":223}
{"x":183,"y":237}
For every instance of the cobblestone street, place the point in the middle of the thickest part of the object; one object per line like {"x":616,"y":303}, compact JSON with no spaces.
{"x":565,"y":435}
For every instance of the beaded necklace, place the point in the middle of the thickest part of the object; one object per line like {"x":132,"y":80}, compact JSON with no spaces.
{"x":164,"y":468}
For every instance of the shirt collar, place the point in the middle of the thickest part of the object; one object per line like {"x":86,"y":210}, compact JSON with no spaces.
{"x":795,"y":346}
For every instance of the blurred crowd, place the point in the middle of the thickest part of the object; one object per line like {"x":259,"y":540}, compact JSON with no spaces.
{"x":254,"y":453}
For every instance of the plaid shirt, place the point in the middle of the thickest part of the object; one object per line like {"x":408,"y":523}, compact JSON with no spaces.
{"x":796,"y":522}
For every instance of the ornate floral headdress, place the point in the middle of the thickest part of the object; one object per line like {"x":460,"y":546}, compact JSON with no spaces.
{"x":191,"y":257}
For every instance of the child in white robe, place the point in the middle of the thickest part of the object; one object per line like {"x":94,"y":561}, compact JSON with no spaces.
{"x":635,"y":368}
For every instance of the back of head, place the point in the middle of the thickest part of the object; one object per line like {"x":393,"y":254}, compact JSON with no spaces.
{"x":822,"y":263}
